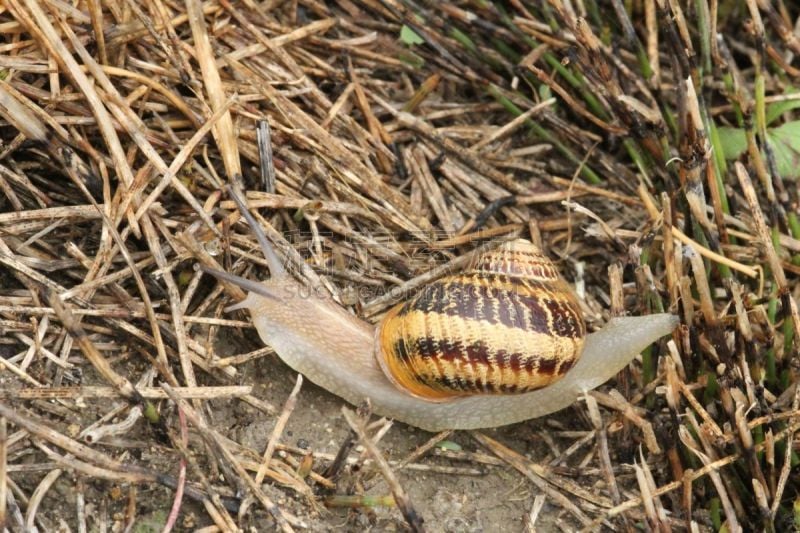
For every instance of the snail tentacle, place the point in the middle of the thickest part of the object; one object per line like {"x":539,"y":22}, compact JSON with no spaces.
{"x":276,"y":268}
{"x":244,"y":283}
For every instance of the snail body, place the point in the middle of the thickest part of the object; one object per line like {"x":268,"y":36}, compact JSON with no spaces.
{"x":488,"y":367}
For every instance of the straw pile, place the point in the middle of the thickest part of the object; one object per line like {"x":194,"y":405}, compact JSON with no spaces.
{"x":647,"y":146}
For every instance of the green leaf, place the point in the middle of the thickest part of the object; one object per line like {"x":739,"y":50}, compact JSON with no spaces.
{"x":449,"y":445}
{"x":712,"y":388}
{"x":733,"y":142}
{"x":785,"y":141}
{"x":715,"y":510}
{"x":409,"y":36}
{"x":777,"y":109}
{"x":796,"y":509}
{"x":410,"y":58}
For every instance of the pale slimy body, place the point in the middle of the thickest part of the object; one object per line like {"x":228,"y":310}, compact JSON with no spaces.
{"x":334,"y":350}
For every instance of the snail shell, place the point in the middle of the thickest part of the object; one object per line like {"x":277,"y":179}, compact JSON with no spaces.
{"x":510,"y":324}
{"x":336,"y":350}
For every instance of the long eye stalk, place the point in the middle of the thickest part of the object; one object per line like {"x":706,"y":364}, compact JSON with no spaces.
{"x":252,"y":286}
{"x":275,"y":265}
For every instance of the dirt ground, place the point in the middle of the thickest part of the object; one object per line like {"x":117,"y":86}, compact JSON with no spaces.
{"x":497,"y":498}
{"x":479,"y":497}
{"x":490,"y":498}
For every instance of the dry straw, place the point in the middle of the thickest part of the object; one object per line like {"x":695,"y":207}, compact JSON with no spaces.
{"x":382,"y":144}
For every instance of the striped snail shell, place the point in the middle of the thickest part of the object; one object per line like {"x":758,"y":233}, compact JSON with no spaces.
{"x":508,"y":324}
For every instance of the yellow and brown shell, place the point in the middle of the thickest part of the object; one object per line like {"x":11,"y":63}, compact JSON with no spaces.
{"x":509,"y":324}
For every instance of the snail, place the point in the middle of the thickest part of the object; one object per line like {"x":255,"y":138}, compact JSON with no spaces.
{"x":499,"y":343}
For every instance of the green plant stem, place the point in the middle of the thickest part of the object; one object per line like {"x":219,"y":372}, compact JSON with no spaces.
{"x":543,"y":134}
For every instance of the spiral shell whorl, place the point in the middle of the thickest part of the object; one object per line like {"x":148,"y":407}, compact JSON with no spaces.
{"x":517,"y":259}
{"x":507,"y":325}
